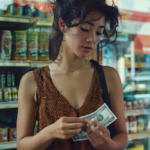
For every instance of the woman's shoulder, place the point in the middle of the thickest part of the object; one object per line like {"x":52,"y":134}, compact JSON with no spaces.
{"x":110,"y":71}
{"x":28,"y":79}
{"x":112,"y":76}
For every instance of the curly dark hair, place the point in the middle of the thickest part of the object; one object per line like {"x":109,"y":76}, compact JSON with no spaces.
{"x":69,"y":10}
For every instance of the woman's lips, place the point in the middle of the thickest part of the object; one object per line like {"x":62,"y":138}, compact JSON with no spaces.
{"x":86,"y":49}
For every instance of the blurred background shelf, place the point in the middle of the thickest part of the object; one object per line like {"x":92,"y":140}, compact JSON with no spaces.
{"x":11,"y":22}
{"x":11,"y":104}
{"x":8,"y":145}
{"x":136,"y":96}
{"x":138,"y":65}
{"x":137,"y":112}
{"x":14,"y":63}
{"x":138,"y":136}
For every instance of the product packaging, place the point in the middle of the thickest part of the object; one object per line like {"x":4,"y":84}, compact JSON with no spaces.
{"x":133,"y":125}
{"x":12,"y":134}
{"x":19,"y":45}
{"x":32,"y":45}
{"x":5,"y":45}
{"x":3,"y":134}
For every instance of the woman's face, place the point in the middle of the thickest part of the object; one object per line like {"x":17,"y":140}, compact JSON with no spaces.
{"x":82,"y":39}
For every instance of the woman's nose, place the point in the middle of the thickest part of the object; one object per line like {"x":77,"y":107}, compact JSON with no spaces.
{"x":91,"y":38}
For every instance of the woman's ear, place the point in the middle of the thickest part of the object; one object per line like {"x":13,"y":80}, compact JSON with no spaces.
{"x":62,"y":25}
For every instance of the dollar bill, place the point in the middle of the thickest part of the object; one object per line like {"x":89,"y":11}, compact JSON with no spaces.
{"x":104,"y":115}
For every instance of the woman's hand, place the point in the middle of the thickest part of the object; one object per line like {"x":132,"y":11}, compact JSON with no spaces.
{"x":67,"y":127}
{"x":100,"y":140}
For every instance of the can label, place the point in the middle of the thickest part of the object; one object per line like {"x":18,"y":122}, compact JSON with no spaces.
{"x":9,"y":94}
{"x":44,"y":46}
{"x":6,"y":94}
{"x":32,"y":44}
{"x":19,"y":45}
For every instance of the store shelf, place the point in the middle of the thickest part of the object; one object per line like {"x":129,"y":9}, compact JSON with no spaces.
{"x":10,"y":22}
{"x":11,"y":104}
{"x":44,"y":22}
{"x":8,"y":145}
{"x":13,"y":63}
{"x":137,"y":112}
{"x":138,"y":65}
{"x":136,"y":96}
{"x":138,"y":136}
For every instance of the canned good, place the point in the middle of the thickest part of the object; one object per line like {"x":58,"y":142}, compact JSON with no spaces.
{"x":13,"y":80}
{"x":6,"y":94}
{"x":3,"y":80}
{"x":1,"y":95}
{"x":18,"y":10}
{"x":13,"y":93}
{"x":9,"y":94}
{"x":19,"y":48}
{"x":10,"y":9}
{"x":3,"y":134}
{"x":8,"y":79}
{"x":16,"y":94}
{"x":140,"y":104}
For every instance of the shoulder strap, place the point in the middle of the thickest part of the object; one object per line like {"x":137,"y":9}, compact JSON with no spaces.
{"x":106,"y":95}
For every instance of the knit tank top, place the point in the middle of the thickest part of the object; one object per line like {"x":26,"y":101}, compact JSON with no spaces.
{"x":52,"y":106}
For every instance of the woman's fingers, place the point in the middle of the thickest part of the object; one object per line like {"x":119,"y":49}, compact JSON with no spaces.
{"x":101,"y":127}
{"x":72,"y":131}
{"x":73,"y":120}
{"x":75,"y":125}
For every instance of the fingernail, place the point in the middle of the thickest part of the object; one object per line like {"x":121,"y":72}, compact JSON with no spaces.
{"x":93,"y":120}
{"x":87,"y":125}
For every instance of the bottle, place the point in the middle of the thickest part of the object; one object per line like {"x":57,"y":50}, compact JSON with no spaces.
{"x":127,"y":124}
{"x":3,"y":80}
{"x":13,"y":80}
{"x":8,"y":79}
{"x":140,"y":124}
{"x":132,"y":125}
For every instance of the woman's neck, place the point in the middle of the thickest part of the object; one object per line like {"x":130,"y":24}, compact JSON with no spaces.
{"x":68,"y":60}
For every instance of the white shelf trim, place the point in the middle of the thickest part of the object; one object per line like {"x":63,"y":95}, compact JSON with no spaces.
{"x":11,"y":104}
{"x":8,"y":145}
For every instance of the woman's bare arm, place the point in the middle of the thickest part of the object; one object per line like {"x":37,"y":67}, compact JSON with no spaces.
{"x":116,"y":98}
{"x":26,"y":118}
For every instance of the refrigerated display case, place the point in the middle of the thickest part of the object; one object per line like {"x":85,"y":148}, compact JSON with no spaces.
{"x":133,"y":65}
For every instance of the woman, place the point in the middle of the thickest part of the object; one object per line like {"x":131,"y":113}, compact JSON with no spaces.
{"x":70,"y":87}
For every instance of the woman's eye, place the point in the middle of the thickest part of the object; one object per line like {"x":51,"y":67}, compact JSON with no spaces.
{"x":88,"y":30}
{"x":98,"y":33}
{"x":84,"y":29}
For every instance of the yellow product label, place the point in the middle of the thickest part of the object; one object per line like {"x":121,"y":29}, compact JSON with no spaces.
{"x":141,"y":147}
{"x":19,"y":49}
{"x":20,"y":34}
{"x":32,"y":44}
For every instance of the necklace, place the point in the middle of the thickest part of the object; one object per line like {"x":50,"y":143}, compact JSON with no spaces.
{"x":73,"y":70}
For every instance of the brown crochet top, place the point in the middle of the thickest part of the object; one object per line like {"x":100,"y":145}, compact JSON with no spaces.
{"x":52,"y":106}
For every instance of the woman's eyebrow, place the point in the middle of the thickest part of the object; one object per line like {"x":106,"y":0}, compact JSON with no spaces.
{"x":93,"y":24}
